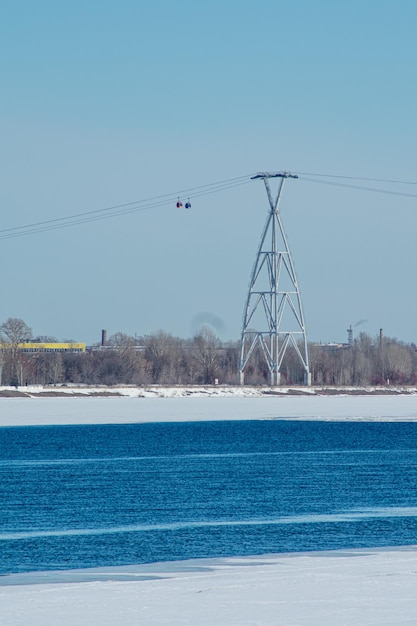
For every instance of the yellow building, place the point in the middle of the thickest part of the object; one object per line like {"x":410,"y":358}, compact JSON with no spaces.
{"x":35,"y":346}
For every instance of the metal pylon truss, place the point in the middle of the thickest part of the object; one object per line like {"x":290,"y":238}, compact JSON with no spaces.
{"x":273,"y":317}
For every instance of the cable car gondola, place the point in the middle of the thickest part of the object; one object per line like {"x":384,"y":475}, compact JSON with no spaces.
{"x":179,"y":204}
{"x":188,"y":204}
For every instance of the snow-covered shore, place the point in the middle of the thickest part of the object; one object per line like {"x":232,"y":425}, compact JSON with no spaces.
{"x":178,"y":391}
{"x":361,"y":587}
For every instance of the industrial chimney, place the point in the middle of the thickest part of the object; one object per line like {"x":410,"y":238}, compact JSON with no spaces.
{"x":104,"y":337}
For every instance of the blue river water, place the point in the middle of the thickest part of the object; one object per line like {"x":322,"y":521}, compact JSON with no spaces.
{"x":89,"y":496}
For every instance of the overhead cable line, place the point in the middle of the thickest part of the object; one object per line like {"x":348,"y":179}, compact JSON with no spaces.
{"x":166,"y":199}
{"x":129,"y":204}
{"x":375,"y":180}
{"x":121,"y":209}
{"x":362,"y":188}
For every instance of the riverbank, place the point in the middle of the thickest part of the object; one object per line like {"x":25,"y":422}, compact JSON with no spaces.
{"x":178,"y":391}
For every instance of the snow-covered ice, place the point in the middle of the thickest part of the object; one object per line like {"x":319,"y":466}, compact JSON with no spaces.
{"x":343,"y":588}
{"x":128,"y":409}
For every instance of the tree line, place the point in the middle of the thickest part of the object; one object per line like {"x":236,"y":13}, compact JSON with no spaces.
{"x":161,"y":358}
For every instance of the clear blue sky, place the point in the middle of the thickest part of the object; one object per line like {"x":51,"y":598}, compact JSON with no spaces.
{"x":108,"y":102}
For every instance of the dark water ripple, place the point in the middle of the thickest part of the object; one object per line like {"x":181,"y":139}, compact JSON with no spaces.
{"x":86,"y":496}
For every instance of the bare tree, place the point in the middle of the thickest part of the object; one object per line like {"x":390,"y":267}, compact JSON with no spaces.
{"x":44,"y":368}
{"x":207,"y":354}
{"x":13,"y":332}
{"x":396,"y":362}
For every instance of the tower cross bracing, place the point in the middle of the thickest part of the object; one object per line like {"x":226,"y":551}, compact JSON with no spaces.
{"x":273,"y":319}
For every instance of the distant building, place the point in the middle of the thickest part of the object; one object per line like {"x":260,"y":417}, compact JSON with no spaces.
{"x":35,"y":346}
{"x":332,"y":347}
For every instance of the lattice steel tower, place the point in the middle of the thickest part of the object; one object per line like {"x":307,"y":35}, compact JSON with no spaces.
{"x":273,"y":318}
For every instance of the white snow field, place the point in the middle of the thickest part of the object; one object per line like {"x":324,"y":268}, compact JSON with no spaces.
{"x":344,"y":588}
{"x":69,"y":409}
{"x":375,"y":587}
